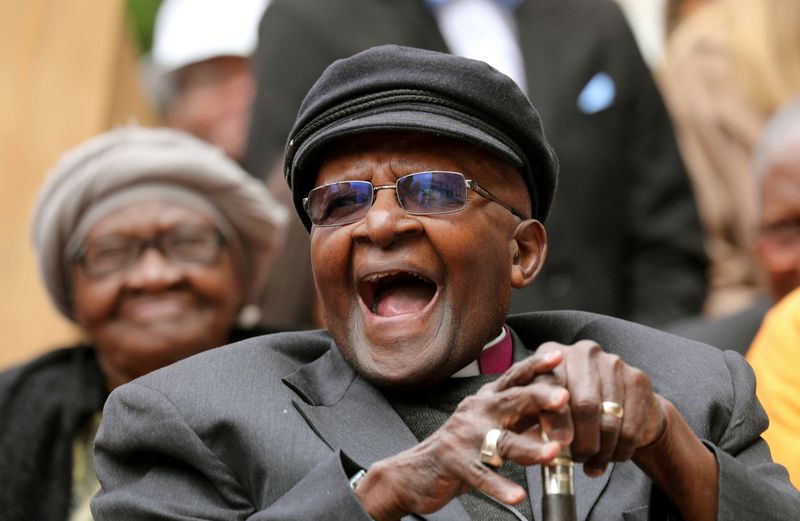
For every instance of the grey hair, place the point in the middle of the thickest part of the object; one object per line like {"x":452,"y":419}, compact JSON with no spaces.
{"x":781,"y":132}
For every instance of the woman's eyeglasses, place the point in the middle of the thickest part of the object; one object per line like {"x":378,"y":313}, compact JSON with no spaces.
{"x":422,"y":193}
{"x":117,"y":253}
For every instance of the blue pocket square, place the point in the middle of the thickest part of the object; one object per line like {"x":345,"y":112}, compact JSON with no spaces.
{"x":598,"y":94}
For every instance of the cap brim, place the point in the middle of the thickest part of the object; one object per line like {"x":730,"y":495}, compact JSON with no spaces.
{"x":408,"y":120}
{"x":394,"y":120}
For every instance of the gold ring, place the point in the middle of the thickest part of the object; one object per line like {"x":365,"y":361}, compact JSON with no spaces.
{"x":489,"y":455}
{"x":612,"y":408}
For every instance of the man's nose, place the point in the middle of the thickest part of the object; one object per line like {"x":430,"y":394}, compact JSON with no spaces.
{"x":386,"y":221}
{"x":153,"y":271}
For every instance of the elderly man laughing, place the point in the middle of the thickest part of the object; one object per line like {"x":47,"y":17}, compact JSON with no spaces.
{"x":425,"y":179}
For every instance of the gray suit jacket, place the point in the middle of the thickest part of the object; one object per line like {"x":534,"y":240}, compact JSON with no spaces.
{"x":271,"y":428}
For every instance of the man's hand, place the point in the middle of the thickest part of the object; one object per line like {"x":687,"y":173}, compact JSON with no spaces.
{"x":648,"y":429}
{"x":447,"y":464}
{"x":593,"y":377}
{"x":560,"y":391}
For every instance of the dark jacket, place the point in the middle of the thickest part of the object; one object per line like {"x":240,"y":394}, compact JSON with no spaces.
{"x":735,"y":332}
{"x":43,"y":405}
{"x":273,"y":427}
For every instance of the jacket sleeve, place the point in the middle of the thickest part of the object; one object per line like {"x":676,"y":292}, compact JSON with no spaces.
{"x":751,"y":486}
{"x":153,"y":465}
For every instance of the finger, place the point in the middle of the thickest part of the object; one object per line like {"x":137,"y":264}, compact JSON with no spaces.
{"x":593,"y":467}
{"x":519,"y":407}
{"x":557,"y":424}
{"x":611,"y":371}
{"x":638,"y":399}
{"x":526,"y":448}
{"x":557,"y":375}
{"x":480,"y":477}
{"x":585,"y":390}
{"x":523,"y":372}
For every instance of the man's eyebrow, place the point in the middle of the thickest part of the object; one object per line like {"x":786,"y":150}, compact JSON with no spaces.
{"x":404,"y":166}
{"x":361,"y":170}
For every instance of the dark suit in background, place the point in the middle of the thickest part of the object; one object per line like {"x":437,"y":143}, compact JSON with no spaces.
{"x":735,"y":332}
{"x":271,"y":429}
{"x":624,"y":237}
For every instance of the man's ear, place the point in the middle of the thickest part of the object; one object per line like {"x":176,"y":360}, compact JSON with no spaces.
{"x":530,"y":250}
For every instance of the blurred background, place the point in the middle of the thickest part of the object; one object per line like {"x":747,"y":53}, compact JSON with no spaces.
{"x":72,"y":70}
{"x":68,"y":70}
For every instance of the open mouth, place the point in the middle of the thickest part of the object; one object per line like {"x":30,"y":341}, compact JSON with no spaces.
{"x":396,"y":293}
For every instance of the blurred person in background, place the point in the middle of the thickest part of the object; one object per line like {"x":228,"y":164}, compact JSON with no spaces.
{"x":652,"y":22}
{"x":777,"y":167}
{"x":648,"y":20}
{"x":776,"y":181}
{"x":203,"y":81}
{"x":625,"y":238}
{"x":728,"y":67}
{"x":153,"y":243}
{"x":775,"y":353}
{"x":679,"y":10}
{"x":775,"y":357}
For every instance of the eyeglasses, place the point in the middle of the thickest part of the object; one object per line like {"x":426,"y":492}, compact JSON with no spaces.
{"x":784,"y":234}
{"x":422,"y":193}
{"x":780,"y":242}
{"x":116,"y":253}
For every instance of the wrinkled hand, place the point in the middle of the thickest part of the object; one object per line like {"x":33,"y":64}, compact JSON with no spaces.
{"x":652,"y":433}
{"x":592,"y":377}
{"x":426,"y":477}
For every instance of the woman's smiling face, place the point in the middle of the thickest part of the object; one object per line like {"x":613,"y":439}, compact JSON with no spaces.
{"x":157,"y":311}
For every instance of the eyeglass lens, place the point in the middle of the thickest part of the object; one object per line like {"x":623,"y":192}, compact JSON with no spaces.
{"x":432,"y":192}
{"x":115,"y":253}
{"x":422,"y":193}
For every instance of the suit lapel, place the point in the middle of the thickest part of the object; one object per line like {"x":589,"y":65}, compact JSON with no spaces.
{"x":348,"y":413}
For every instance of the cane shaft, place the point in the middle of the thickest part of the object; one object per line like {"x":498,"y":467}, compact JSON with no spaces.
{"x":558,"y":499}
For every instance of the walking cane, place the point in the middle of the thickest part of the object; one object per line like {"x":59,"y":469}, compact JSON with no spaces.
{"x":558,"y":498}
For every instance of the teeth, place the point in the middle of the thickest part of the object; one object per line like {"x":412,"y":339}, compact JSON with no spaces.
{"x":378,"y":276}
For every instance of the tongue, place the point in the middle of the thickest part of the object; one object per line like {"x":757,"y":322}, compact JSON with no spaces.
{"x":400,"y":300}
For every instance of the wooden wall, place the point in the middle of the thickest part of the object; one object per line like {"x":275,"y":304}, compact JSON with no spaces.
{"x":68,"y":70}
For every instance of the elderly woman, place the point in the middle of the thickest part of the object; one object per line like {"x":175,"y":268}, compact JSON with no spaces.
{"x":153,"y":243}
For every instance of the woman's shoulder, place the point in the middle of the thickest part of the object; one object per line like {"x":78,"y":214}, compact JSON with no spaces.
{"x":68,"y":378}
{"x":52,"y":365}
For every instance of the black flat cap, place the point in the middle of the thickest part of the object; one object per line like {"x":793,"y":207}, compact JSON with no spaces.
{"x":393,"y":88}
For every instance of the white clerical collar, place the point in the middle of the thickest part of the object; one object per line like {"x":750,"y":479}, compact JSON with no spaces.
{"x":473,"y":369}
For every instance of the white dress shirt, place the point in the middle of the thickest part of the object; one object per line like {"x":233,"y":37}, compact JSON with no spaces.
{"x":482,"y":30}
